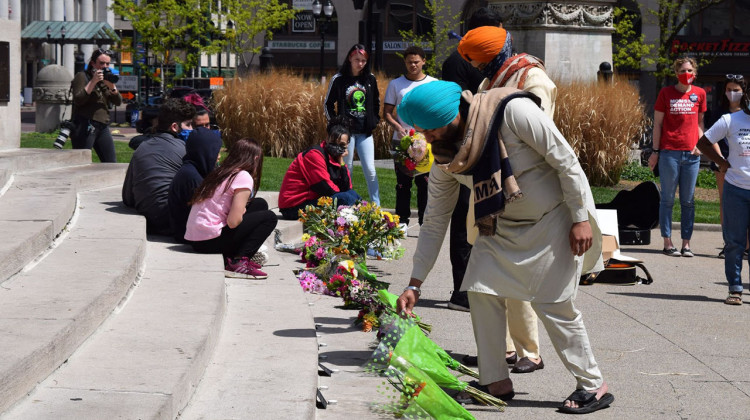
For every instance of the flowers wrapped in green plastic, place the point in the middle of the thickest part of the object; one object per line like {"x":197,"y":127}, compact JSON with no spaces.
{"x":402,"y":340}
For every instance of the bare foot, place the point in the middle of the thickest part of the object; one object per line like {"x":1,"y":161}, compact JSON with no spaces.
{"x":599,"y":392}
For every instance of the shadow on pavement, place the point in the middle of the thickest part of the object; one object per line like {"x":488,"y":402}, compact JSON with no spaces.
{"x":664,"y":296}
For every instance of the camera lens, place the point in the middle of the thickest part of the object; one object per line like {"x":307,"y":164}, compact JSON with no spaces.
{"x":66,"y":127}
{"x":62,"y":138}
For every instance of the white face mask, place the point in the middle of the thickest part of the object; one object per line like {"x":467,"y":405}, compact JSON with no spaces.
{"x":734,"y":97}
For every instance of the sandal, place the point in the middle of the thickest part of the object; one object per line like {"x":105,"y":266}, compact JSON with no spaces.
{"x":734,"y":298}
{"x":587,"y":402}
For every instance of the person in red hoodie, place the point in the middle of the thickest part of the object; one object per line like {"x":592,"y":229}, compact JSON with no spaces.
{"x":319,"y":171}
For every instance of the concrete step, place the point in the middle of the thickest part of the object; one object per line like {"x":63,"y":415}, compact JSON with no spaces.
{"x":146,"y":360}
{"x":265,"y":365}
{"x":47,"y":311}
{"x":37,"y":206}
{"x":27,"y":160}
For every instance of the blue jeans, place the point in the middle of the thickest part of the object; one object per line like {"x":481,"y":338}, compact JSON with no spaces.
{"x":736,"y":202}
{"x":366,"y":151}
{"x":677,"y":167}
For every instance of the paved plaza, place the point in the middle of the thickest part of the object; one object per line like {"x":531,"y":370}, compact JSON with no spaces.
{"x":671,"y":349}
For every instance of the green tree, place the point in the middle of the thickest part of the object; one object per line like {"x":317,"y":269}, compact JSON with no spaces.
{"x":251,"y":19}
{"x":628,"y":46}
{"x":671,"y":17}
{"x":174,"y":31}
{"x":442,"y":21}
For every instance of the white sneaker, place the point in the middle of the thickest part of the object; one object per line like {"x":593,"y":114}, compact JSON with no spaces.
{"x":403,"y":227}
{"x":260,"y":257}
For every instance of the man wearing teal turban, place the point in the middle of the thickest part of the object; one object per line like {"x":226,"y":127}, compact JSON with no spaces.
{"x":538,"y":231}
{"x":432,"y":109}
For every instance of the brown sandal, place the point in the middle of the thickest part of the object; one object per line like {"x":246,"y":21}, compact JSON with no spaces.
{"x":734,"y":299}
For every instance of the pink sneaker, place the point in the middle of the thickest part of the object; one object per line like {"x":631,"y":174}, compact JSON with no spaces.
{"x":243,"y":268}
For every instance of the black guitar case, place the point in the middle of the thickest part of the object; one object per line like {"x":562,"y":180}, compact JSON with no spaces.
{"x":637,"y":213}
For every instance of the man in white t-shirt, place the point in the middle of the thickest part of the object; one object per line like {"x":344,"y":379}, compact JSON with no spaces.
{"x":735,"y":127}
{"x":414,"y":59}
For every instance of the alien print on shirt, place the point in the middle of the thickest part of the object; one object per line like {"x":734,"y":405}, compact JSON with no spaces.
{"x":355,"y":100}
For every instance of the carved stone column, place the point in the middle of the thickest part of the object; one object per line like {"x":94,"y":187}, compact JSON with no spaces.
{"x":51,"y":96}
{"x":572,"y":37}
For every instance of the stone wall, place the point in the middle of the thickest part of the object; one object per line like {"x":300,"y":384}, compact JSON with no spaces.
{"x":10,"y":112}
{"x":572,"y":37}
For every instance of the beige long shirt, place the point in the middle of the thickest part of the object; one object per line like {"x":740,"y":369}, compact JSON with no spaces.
{"x":530,"y":257}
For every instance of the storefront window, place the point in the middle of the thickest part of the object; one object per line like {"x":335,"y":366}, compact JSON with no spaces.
{"x":717,"y":20}
{"x":404,"y":15}
{"x":741,"y":18}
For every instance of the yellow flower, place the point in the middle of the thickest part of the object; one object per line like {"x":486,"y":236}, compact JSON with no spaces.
{"x":388,"y":216}
{"x":325,"y":201}
{"x":305,"y":237}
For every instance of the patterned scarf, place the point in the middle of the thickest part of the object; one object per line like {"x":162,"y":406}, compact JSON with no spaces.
{"x":483,"y":156}
{"x":500,"y":59}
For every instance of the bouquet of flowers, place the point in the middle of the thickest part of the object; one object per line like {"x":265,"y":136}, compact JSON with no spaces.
{"x":413,"y":154}
{"x":347,"y":231}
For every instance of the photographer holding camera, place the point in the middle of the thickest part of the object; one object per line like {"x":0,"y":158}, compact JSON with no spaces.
{"x":94,"y":92}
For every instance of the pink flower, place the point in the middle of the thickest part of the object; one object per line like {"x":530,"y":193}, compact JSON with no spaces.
{"x":320,"y":253}
{"x":311,"y":242}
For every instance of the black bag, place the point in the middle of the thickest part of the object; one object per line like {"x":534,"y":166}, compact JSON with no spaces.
{"x":637,"y":213}
{"x":635,"y":236}
{"x":618,"y":272}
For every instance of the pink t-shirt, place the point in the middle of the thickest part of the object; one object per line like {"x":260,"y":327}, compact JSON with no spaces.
{"x":208,"y":217}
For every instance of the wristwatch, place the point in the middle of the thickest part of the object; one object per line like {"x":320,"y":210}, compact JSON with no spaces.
{"x":415,"y":288}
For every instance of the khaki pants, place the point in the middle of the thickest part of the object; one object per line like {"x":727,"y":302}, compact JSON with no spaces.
{"x":563,"y":323}
{"x":522,"y":332}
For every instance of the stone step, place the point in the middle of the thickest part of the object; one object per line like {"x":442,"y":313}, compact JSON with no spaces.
{"x":37,"y":206}
{"x":146,"y":360}
{"x":265,"y":365}
{"x":27,"y":160}
{"x":49,"y":310}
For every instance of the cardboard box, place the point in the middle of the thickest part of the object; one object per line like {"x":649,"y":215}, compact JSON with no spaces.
{"x":609,"y":246}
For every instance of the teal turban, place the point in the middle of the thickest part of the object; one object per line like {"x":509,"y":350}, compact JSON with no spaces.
{"x":431,"y":105}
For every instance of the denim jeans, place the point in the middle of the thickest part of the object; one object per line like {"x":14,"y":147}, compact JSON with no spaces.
{"x":366,"y":151}
{"x":677,"y":168}
{"x":736,"y":202}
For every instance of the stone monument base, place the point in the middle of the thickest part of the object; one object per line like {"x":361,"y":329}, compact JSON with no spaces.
{"x":10,"y":112}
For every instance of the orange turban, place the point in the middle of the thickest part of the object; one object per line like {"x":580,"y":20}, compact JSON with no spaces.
{"x":482,"y":44}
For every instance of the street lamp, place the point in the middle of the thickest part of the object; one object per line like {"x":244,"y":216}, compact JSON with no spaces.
{"x":63,"y":31}
{"x":324,"y":19}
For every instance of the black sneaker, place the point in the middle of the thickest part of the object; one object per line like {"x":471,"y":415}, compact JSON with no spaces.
{"x":459,"y":302}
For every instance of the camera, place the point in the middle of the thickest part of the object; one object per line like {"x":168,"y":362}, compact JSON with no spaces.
{"x":66,"y":127}
{"x":109,"y":76}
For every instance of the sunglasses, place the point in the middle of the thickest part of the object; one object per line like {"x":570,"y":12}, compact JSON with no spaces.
{"x":737,"y":77}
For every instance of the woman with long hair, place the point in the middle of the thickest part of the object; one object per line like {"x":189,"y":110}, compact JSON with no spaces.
{"x":735,"y":86}
{"x":678,"y":124}
{"x":353,"y":94}
{"x":226,"y":217}
{"x":735,"y":164}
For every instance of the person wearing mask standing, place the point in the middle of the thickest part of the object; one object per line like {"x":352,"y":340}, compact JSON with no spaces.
{"x":353,"y":94}
{"x":678,"y":124}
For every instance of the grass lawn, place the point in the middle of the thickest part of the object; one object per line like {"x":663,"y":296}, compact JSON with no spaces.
{"x":275,"y":168}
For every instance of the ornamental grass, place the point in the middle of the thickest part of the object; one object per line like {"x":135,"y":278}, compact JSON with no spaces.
{"x":602,"y":122}
{"x":285,"y":113}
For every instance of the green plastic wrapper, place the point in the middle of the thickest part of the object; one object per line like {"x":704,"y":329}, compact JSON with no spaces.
{"x":420,"y":395}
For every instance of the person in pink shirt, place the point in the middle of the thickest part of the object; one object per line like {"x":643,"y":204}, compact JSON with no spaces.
{"x":227,"y":218}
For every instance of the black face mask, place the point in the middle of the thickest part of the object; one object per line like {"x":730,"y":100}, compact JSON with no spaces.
{"x":334,"y":149}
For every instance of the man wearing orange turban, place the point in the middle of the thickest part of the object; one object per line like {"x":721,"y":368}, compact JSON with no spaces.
{"x":489,"y":49}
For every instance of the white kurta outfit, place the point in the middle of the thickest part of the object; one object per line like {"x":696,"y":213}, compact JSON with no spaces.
{"x":529,"y":258}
